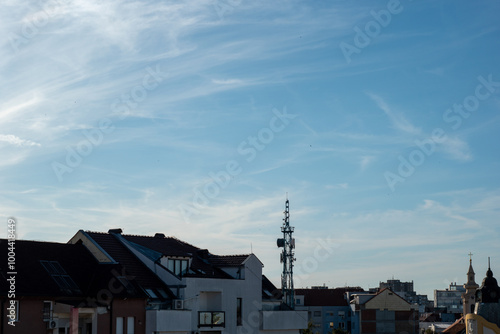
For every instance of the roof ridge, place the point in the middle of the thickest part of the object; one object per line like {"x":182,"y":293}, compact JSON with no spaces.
{"x":231,"y":255}
{"x":42,"y":241}
{"x":146,"y":236}
{"x":163,"y":238}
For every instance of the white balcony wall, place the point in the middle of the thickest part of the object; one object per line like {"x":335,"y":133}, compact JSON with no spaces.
{"x":284,"y":320}
{"x":178,"y":321}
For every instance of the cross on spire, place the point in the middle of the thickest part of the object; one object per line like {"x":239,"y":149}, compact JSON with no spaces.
{"x":470,"y":256}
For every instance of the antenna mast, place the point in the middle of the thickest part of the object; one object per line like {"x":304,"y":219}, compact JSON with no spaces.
{"x":287,"y":258}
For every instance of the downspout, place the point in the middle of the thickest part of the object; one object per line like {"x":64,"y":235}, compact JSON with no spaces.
{"x":111,"y":317}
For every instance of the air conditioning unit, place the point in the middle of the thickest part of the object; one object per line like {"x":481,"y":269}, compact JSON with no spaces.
{"x":53,"y":323}
{"x":178,"y":304}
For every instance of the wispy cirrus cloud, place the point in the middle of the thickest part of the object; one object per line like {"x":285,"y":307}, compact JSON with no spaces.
{"x":366,"y":161}
{"x":227,"y":81}
{"x":16,"y":141}
{"x":456,"y":148}
{"x":452,"y":145}
{"x":397,"y":119}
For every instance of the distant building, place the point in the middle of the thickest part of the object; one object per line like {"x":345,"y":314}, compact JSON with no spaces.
{"x":407,"y":292}
{"x":450,"y":298}
{"x":327,"y":309}
{"x":397,"y":286}
{"x":384,"y":312}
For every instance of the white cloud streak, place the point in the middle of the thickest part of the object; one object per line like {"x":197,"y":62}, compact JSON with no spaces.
{"x":397,"y":118}
{"x":16,"y":141}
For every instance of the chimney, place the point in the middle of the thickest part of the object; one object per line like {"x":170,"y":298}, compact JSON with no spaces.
{"x":115,"y":231}
{"x":159,"y":235}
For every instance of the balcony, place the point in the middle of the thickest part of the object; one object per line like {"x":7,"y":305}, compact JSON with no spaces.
{"x":211,"y":319}
{"x":284,"y":320}
{"x":168,"y":321}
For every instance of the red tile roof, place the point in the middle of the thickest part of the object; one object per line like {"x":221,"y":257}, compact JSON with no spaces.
{"x":457,"y":327}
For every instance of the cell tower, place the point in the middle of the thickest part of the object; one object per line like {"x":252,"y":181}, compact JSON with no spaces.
{"x":287,"y":258}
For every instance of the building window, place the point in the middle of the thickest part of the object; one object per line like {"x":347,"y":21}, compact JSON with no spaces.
{"x":297,"y":301}
{"x":47,"y":310}
{"x":331,"y":324}
{"x":119,"y":325}
{"x":239,"y":320}
{"x":317,"y":313}
{"x":162,"y":293}
{"x":341,"y":315}
{"x":178,"y":266}
{"x":341,"y":325}
{"x":130,"y":325}
{"x":211,"y":319}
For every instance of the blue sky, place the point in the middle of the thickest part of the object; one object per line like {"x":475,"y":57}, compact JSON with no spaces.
{"x":196,"y":118}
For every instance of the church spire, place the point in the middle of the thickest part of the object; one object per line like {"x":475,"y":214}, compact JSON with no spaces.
{"x":468,"y":298}
{"x":471,"y":275}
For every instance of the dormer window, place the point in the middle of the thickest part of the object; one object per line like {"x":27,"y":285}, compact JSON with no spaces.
{"x":177,"y":265}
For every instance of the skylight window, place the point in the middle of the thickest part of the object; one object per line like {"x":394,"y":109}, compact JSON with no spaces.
{"x":151,"y":293}
{"x":60,"y":276}
{"x":163,"y":293}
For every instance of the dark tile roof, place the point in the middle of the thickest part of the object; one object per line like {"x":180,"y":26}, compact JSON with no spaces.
{"x":203,"y":263}
{"x":227,"y":260}
{"x":60,"y":271}
{"x":133,"y":266}
{"x":165,"y":245}
{"x":326,"y":297}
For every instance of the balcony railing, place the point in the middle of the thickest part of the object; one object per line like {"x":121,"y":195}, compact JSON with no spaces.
{"x":211,"y":319}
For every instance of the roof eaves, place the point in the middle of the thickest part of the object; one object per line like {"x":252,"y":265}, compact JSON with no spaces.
{"x":249,"y":256}
{"x":95,"y":243}
{"x":379,"y":292}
